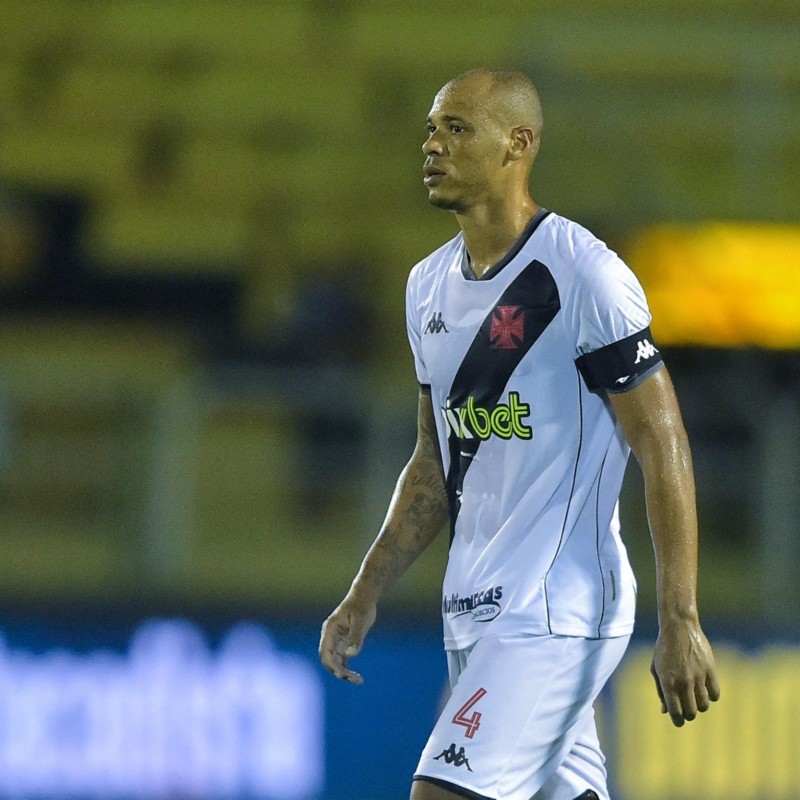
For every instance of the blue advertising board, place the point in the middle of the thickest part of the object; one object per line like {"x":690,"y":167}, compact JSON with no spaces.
{"x":161,"y":708}
{"x":170,"y":708}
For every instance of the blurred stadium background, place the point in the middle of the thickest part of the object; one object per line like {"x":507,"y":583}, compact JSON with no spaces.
{"x":207,"y":214}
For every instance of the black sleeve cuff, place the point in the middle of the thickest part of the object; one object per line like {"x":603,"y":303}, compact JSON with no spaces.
{"x":425,"y":388}
{"x":622,"y":365}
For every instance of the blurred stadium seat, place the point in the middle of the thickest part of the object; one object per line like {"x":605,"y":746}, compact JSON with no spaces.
{"x":257,"y":107}
{"x":174,"y":177}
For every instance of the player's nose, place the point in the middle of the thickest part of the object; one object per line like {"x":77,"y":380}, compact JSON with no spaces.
{"x":432,"y":146}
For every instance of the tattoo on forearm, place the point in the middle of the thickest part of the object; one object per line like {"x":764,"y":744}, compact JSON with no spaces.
{"x":418,"y":512}
{"x":404,"y":539}
{"x":432,"y":481}
{"x":408,"y":531}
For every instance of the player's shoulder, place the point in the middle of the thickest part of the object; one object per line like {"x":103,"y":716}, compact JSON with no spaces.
{"x":580,"y":255}
{"x":574,"y":243}
{"x":436,"y":263}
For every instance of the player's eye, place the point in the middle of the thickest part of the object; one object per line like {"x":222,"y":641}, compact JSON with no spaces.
{"x":430,"y":128}
{"x":456,"y":128}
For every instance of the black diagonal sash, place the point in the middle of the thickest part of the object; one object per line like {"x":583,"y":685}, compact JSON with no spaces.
{"x":527,"y":307}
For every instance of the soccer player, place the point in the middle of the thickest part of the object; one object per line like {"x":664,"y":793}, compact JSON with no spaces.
{"x":538,"y":374}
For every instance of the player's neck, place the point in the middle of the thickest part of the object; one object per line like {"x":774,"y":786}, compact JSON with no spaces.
{"x":490,"y":230}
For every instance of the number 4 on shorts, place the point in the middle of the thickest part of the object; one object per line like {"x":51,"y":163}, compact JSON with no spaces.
{"x":473,"y":721}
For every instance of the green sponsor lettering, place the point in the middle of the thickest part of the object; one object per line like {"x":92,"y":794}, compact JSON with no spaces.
{"x":501,"y":421}
{"x":518,"y":411}
{"x":479,"y":419}
{"x":505,"y":420}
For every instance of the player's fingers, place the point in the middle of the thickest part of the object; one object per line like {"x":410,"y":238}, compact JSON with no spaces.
{"x":701,"y":696}
{"x":674,"y":709}
{"x":339,"y":669}
{"x":359,"y":624}
{"x":336,"y":664}
{"x":327,"y":639}
{"x":355,"y":639}
{"x":331,"y":645}
{"x":673,"y":703}
{"x":331,"y":660}
{"x":328,"y":632}
{"x":658,"y":688}
{"x":354,"y":642}
{"x":333,"y":648}
{"x":688,"y":701}
{"x":352,"y":677}
{"x":712,"y":684}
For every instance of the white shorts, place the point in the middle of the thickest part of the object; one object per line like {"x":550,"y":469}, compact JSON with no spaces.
{"x":519,"y":723}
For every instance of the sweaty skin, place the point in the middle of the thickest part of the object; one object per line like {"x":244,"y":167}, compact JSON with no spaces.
{"x":483,"y":136}
{"x":683,"y":664}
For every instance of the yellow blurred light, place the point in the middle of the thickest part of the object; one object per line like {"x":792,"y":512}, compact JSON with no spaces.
{"x":721,"y":284}
{"x":745,"y":747}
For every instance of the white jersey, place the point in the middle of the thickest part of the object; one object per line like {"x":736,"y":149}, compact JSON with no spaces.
{"x":517,"y":364}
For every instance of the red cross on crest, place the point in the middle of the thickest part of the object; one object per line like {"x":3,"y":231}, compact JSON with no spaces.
{"x":508,"y":327}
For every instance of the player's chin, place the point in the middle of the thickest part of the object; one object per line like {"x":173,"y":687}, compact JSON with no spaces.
{"x":442,"y":200}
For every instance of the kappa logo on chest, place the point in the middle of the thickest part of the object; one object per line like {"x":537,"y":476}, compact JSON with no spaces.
{"x":436,"y":324}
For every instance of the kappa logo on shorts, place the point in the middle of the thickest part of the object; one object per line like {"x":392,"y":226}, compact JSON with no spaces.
{"x":458,"y":758}
{"x":644,"y":350}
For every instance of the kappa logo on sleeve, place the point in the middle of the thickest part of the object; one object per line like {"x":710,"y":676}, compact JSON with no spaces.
{"x":644,"y":350}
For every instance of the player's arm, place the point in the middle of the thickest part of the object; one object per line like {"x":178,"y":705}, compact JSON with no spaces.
{"x":683,"y":664}
{"x":417,"y":513}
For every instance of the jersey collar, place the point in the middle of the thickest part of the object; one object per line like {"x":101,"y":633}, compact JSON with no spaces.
{"x":466,"y":267}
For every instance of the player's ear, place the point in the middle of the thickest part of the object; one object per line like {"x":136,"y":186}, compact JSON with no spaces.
{"x":524,"y":142}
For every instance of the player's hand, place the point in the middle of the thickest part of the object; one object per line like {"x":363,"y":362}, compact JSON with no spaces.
{"x":343,"y":636}
{"x":684,"y":672}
